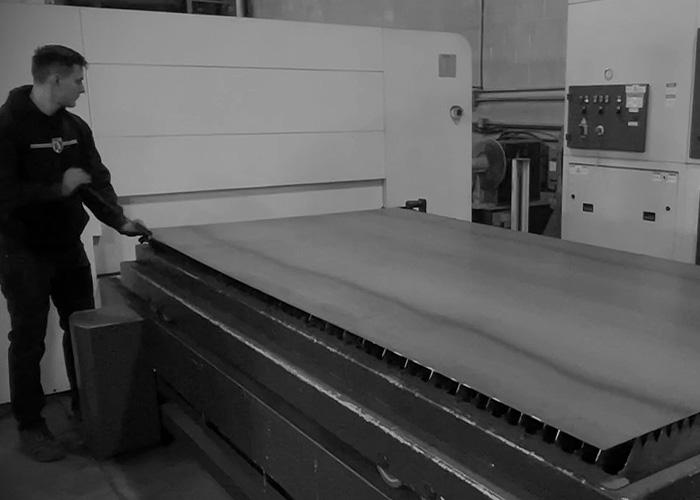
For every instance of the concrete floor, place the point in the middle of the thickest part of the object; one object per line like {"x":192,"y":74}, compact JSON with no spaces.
{"x":165,"y":472}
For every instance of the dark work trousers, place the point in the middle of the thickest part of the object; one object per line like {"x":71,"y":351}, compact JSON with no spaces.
{"x":28,"y":280}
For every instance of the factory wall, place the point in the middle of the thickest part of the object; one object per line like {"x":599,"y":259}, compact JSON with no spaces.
{"x":524,"y":43}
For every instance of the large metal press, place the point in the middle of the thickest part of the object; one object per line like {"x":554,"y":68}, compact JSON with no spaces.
{"x":396,"y":354}
{"x":386,"y":353}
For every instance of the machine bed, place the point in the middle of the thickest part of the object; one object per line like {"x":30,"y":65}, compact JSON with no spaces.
{"x":401,"y":353}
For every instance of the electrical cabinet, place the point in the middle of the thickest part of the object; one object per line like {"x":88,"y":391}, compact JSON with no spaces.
{"x":638,"y":151}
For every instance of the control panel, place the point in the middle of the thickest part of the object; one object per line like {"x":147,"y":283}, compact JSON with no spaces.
{"x":608,"y":117}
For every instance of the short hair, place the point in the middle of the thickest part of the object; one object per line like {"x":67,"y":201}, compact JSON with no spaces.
{"x":49,"y":58}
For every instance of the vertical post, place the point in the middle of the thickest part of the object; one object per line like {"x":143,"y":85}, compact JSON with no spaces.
{"x":525,"y":195}
{"x":697,"y":238}
{"x":514,"y":196}
{"x":520,"y":195}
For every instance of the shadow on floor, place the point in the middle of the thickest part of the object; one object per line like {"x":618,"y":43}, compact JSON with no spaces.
{"x":165,"y":472}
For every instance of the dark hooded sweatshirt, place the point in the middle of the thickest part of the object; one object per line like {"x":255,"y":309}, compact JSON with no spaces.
{"x":35,"y":151}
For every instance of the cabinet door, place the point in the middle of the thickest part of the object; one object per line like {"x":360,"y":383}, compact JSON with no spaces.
{"x":621,"y":208}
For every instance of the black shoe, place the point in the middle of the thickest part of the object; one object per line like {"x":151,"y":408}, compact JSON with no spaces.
{"x":40,"y":444}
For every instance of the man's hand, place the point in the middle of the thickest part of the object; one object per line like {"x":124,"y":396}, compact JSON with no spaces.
{"x":73,"y":178}
{"x":134,"y":228}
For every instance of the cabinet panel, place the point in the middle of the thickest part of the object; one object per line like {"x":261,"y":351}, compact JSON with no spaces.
{"x":621,"y":208}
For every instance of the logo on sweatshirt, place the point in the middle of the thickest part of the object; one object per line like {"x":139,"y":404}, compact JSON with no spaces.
{"x":57,"y":144}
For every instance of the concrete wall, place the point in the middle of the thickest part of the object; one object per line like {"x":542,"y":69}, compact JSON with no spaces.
{"x":455,"y":16}
{"x":524,"y":48}
{"x":524,"y":43}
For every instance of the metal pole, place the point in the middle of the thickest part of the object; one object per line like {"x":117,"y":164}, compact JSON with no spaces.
{"x":525,"y":195}
{"x":520,"y":195}
{"x":514,"y":196}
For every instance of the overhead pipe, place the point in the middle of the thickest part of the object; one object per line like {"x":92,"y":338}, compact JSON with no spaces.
{"x":513,"y":91}
{"x":542,"y":94}
{"x":481,"y":100}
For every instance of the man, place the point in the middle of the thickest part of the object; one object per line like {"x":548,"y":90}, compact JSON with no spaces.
{"x":49,"y":168}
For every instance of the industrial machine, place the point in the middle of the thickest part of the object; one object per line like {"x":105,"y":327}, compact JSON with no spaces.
{"x":492,"y":188}
{"x":375,"y":352}
{"x":630,"y":176}
{"x":396,"y":354}
{"x":488,"y":171}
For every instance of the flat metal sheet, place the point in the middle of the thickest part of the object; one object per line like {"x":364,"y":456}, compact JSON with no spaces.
{"x":601,"y":344}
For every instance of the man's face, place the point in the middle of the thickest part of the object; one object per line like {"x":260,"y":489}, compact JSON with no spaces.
{"x":69,"y":86}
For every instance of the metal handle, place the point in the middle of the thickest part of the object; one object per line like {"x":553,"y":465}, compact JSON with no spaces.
{"x":391,"y":481}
